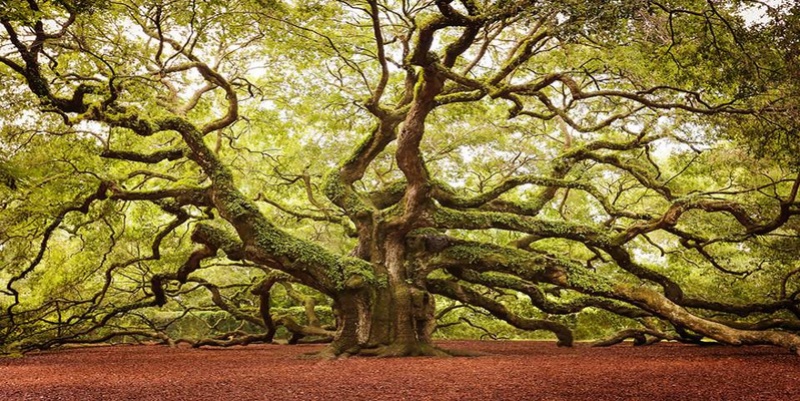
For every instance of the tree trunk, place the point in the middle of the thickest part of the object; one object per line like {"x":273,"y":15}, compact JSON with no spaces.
{"x":393,"y":318}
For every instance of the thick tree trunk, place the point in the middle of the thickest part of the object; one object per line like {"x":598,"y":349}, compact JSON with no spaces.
{"x":392,"y":318}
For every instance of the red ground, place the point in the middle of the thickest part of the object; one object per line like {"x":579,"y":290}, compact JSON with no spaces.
{"x":513,"y":371}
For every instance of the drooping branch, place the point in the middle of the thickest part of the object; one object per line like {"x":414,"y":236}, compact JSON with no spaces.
{"x":539,"y":268}
{"x":675,"y":293}
{"x":31,"y":70}
{"x":540,"y":300}
{"x":99,"y":194}
{"x":639,"y":337}
{"x":464,"y":294}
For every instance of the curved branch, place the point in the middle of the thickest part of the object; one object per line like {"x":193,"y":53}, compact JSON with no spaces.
{"x":464,"y":294}
{"x":99,"y":194}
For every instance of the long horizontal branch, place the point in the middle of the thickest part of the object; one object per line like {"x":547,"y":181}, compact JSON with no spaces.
{"x":464,"y":294}
{"x":149,"y":158}
{"x":538,"y":298}
{"x":567,"y":274}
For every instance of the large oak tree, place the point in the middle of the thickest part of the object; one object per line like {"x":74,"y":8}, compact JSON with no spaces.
{"x":390,"y":155}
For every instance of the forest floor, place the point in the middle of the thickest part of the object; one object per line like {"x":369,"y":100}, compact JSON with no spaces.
{"x":511,"y":371}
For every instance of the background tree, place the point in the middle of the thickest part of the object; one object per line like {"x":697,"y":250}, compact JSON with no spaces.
{"x":385,"y":157}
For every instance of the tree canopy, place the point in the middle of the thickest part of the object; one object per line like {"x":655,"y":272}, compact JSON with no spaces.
{"x":384,"y":166}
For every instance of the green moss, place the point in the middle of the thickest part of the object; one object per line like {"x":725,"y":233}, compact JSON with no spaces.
{"x":235,"y":205}
{"x":425,"y":231}
{"x":342,"y":272}
{"x":356,"y":273}
{"x":333,"y":187}
{"x":338,"y":193}
{"x":448,"y":218}
{"x":499,"y":279}
{"x":584,"y":281}
{"x":222,"y":174}
{"x":419,"y":84}
{"x":280,"y":244}
{"x":510,"y":260}
{"x":357,"y":151}
{"x":128,"y":118}
{"x":222,"y":237}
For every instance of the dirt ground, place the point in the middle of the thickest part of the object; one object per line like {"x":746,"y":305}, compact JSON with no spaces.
{"x":512,"y":371}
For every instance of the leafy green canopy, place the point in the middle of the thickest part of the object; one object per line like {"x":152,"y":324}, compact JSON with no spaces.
{"x":542,"y":162}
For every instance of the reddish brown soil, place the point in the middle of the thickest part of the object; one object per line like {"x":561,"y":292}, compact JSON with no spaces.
{"x":513,"y":371}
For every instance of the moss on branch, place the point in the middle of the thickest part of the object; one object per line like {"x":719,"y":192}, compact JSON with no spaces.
{"x":480,"y":220}
{"x":469,"y":296}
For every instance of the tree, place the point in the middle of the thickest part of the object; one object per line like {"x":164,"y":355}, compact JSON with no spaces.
{"x":386,"y":155}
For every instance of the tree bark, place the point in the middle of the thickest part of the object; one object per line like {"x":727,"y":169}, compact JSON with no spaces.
{"x":394,"y":317}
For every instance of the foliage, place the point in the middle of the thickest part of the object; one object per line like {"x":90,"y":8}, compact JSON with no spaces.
{"x":357,"y":171}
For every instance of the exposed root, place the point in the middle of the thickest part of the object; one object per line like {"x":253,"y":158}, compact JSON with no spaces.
{"x":326,"y":354}
{"x":640,"y":337}
{"x":334,"y":350}
{"x":390,"y":351}
{"x":229,"y":341}
{"x":404,"y":350}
